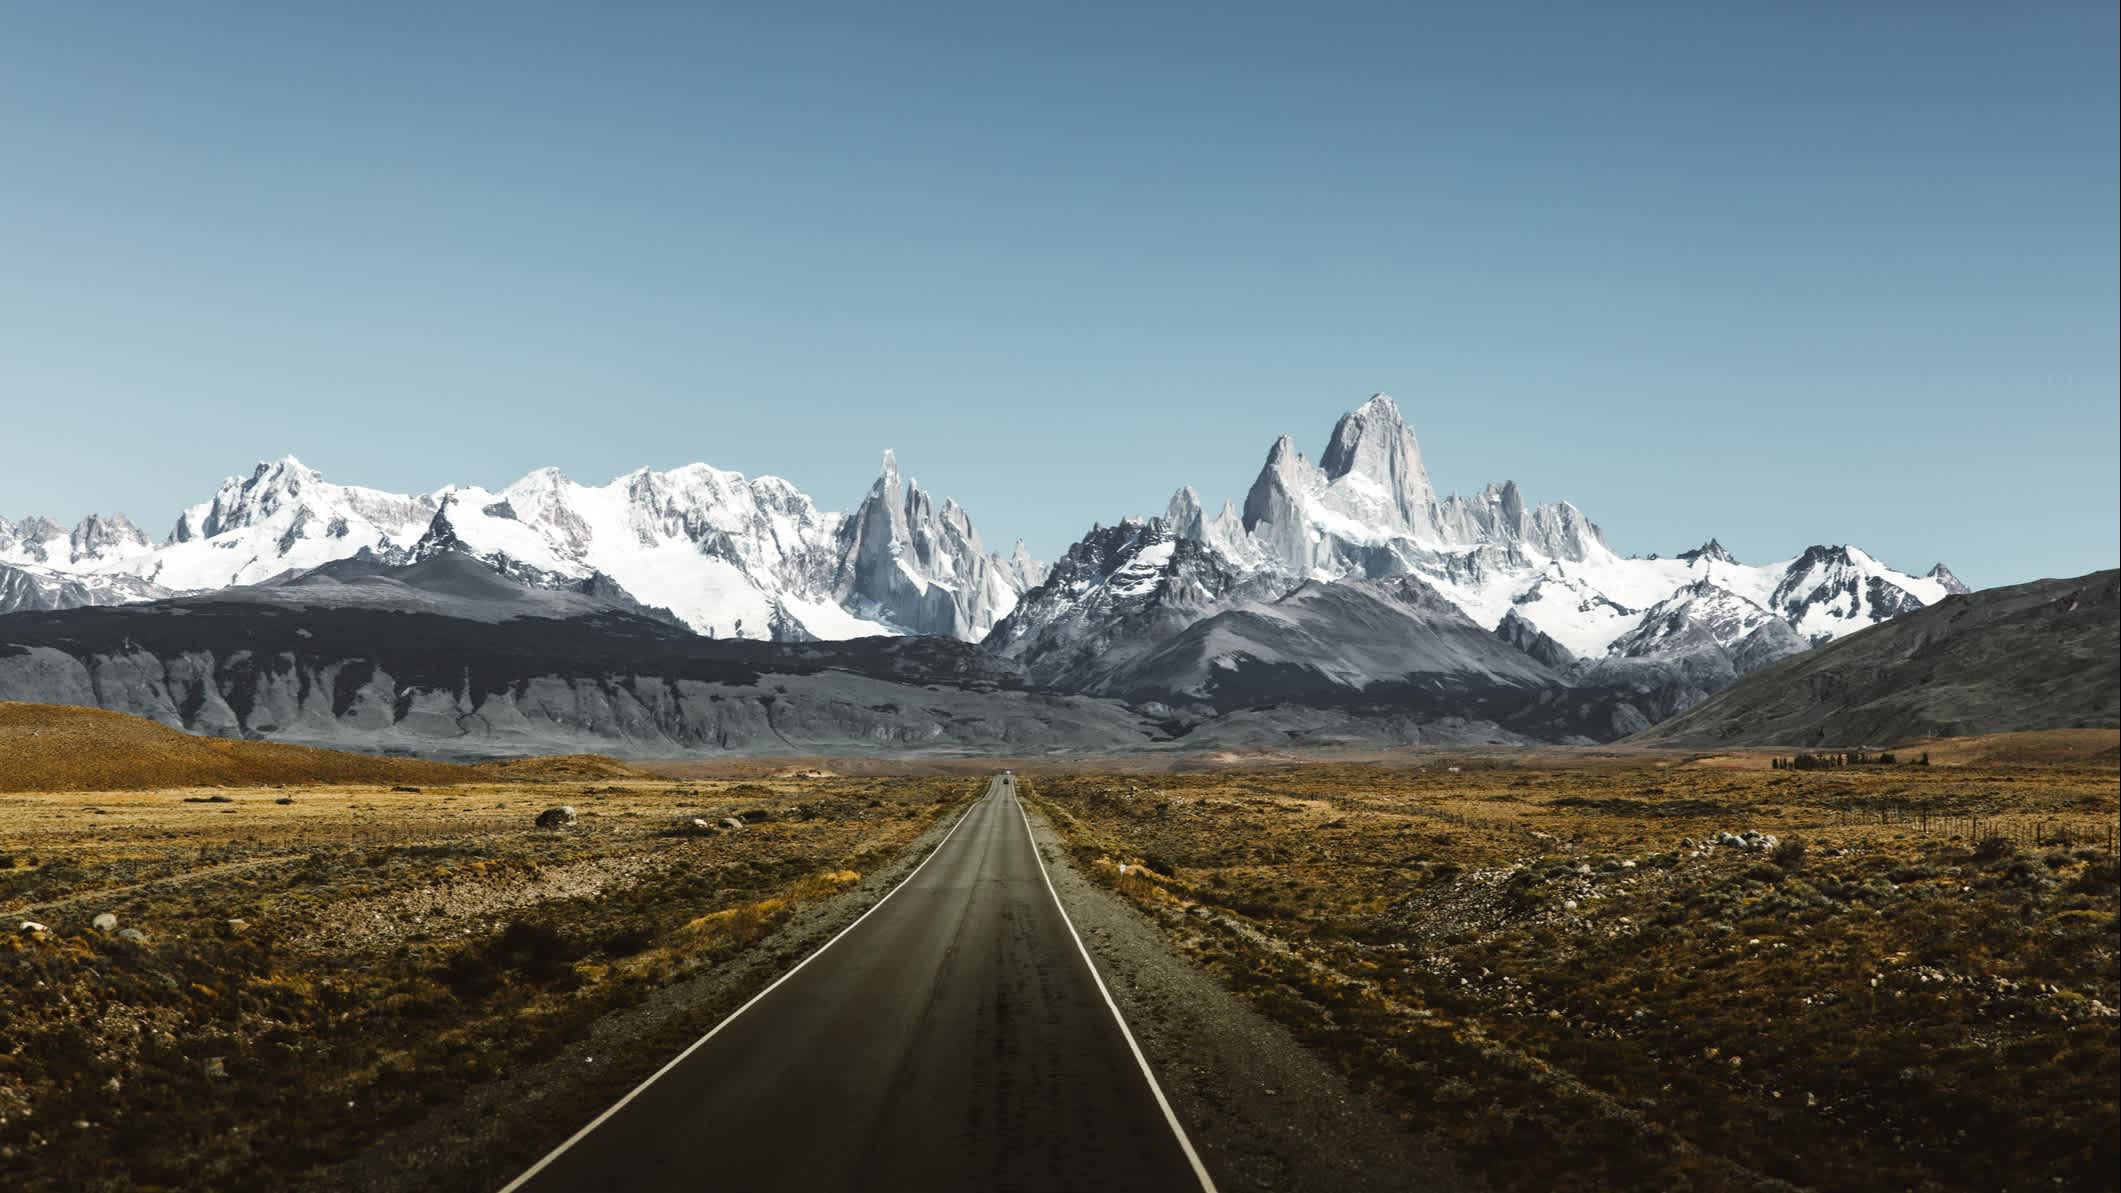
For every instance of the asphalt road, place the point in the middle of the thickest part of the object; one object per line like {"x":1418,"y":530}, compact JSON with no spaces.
{"x":954,"y":1038}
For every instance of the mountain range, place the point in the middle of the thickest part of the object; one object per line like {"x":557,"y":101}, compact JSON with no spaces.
{"x":2044,"y":655}
{"x":1344,"y":584}
{"x":729,"y":556}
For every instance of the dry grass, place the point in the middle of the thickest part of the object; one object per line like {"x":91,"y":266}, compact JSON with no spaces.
{"x":396,"y":950}
{"x":560,"y":768}
{"x":1549,"y":968}
{"x":47,"y":747}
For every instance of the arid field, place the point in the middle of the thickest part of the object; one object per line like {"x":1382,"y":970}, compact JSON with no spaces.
{"x":297,"y":972}
{"x":1566,"y":970}
{"x":1592,"y":978}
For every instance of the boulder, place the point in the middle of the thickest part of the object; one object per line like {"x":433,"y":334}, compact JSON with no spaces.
{"x":556,"y":818}
{"x":33,"y":928}
{"x":1749,"y":840}
{"x":132,"y":936}
{"x":106,"y":922}
{"x":731,"y":823}
{"x":755,"y":815}
{"x":236,"y":927}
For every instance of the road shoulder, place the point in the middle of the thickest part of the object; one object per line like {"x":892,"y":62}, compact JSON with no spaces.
{"x":1264,"y":1113}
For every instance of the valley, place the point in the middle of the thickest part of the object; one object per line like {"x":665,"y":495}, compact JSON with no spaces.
{"x":1566,"y":969}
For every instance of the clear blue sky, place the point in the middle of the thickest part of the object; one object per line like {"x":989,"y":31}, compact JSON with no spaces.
{"x":1782,"y":273}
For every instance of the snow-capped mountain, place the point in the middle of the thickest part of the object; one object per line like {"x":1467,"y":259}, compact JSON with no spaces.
{"x":1540,"y":576}
{"x":737,"y":556}
{"x":1323,"y":638}
{"x":730,"y":556}
{"x":1116,"y":595}
{"x":1701,"y":638}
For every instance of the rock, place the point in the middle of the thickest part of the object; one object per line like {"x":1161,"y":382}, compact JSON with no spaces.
{"x":217,"y":1067}
{"x":755,"y":815}
{"x":236,"y":927}
{"x":731,"y":822}
{"x":132,"y":936}
{"x":285,"y":799}
{"x":411,"y":790}
{"x":33,"y":928}
{"x":1749,"y":840}
{"x":106,"y":922}
{"x":556,"y":818}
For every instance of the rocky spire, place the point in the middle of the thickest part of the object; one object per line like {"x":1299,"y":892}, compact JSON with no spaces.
{"x":1184,"y":515}
{"x":1373,"y":442}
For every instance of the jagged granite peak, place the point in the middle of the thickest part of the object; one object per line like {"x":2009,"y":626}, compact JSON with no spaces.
{"x":1026,"y":571}
{"x":1369,"y":509}
{"x":1711,"y":551}
{"x":1183,"y":514}
{"x":100,"y":537}
{"x":1497,"y":514}
{"x":1373,"y":444}
{"x":1943,"y":575}
{"x":905,"y":564}
{"x":35,"y":539}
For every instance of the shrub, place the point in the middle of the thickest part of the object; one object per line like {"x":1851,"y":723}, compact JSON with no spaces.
{"x":1789,"y":855}
{"x":1993,"y":849}
{"x":532,"y":949}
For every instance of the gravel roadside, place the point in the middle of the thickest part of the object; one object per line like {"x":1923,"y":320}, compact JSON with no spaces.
{"x":1264,"y":1113}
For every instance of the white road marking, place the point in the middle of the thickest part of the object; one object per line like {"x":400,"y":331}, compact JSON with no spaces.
{"x":1207,"y":1183}
{"x":619,"y":1105}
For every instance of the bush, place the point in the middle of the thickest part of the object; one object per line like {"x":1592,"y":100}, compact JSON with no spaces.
{"x":533,"y":950}
{"x":1993,"y":849}
{"x":1789,"y":855}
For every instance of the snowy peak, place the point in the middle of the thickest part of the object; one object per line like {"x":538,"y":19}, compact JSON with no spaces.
{"x":903,"y":563}
{"x":1184,"y":515}
{"x":1711,"y":551}
{"x":1943,"y":575}
{"x":1828,"y":592}
{"x":294,"y":502}
{"x":1701,"y":612}
{"x":100,"y":537}
{"x":42,"y":542}
{"x":32,"y":540}
{"x":1368,"y":508}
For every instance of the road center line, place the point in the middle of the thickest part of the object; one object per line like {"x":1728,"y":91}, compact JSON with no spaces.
{"x":679,"y":1059}
{"x":1207,"y":1183}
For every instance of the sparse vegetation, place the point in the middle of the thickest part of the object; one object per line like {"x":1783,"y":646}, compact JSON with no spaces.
{"x":310,"y":975}
{"x":1663,"y":977}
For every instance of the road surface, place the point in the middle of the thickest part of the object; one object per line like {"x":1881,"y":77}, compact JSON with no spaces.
{"x":954,"y":1038}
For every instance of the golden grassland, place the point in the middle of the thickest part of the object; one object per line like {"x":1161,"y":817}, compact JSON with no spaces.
{"x":1568,"y":976}
{"x":46,"y":747}
{"x":319,"y":965}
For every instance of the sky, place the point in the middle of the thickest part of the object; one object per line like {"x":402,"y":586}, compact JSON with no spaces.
{"x":1777,"y":273}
